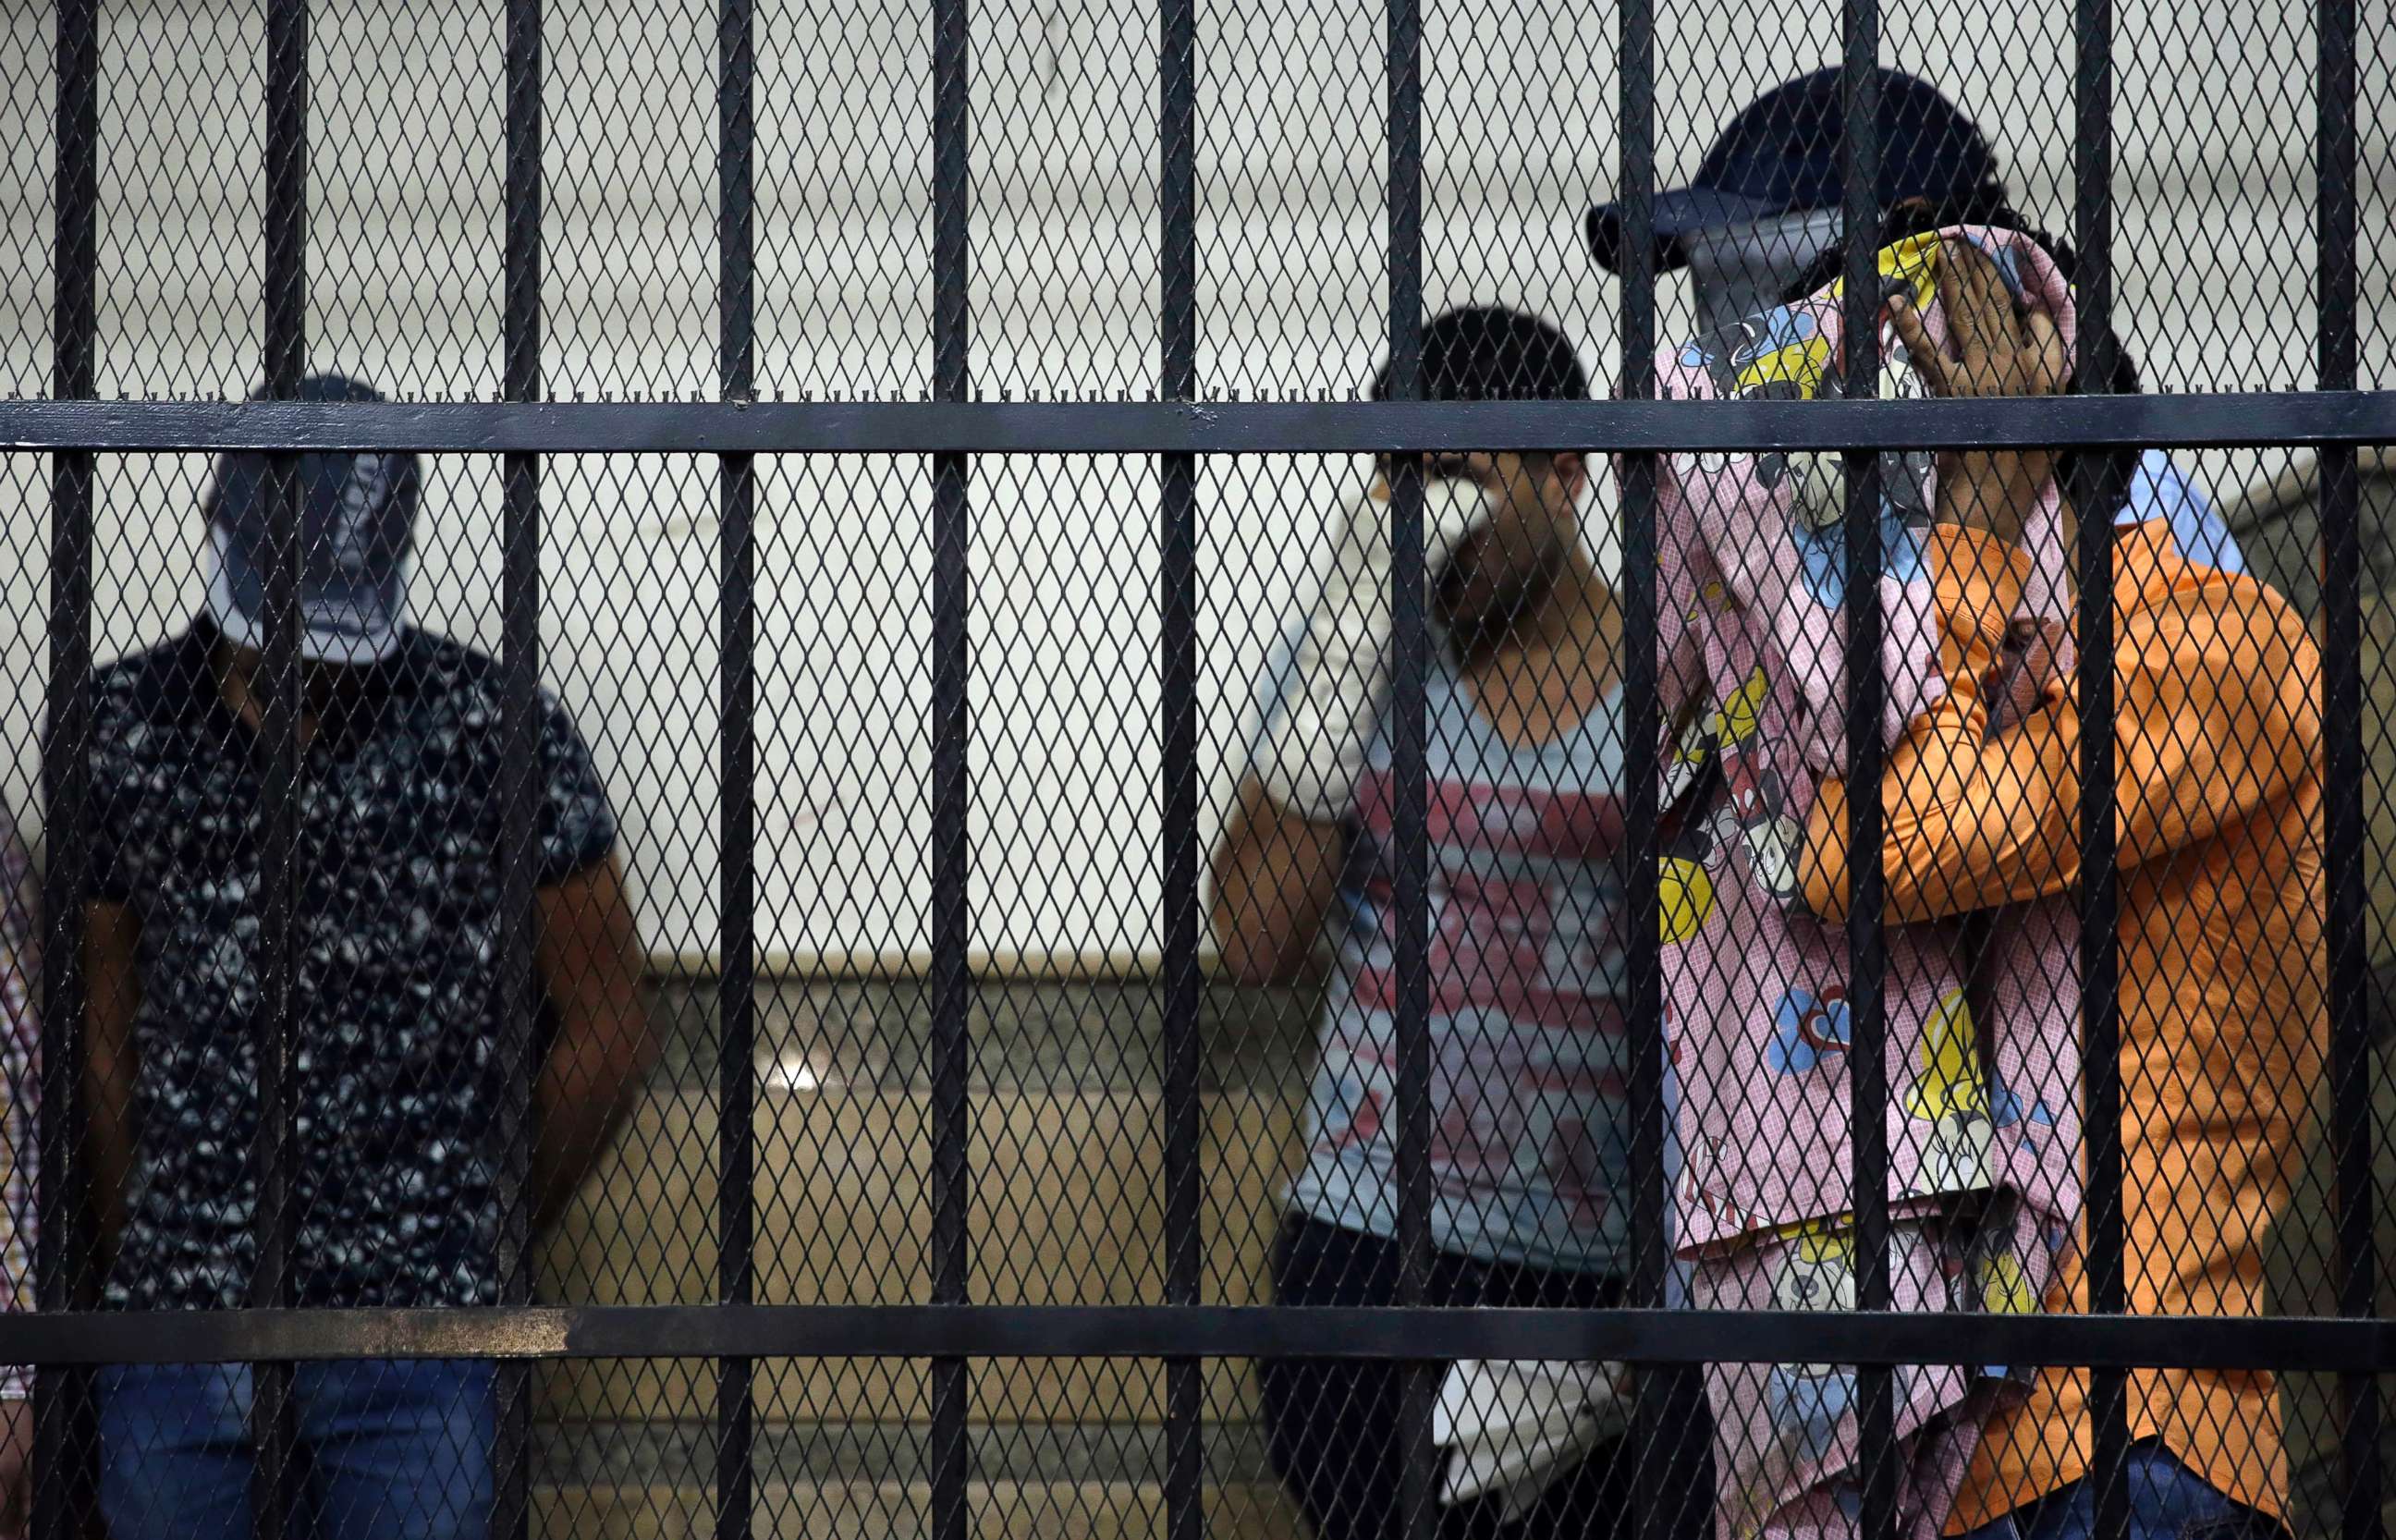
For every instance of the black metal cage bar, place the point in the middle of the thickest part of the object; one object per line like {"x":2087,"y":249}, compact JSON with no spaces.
{"x":62,"y":1263}
{"x":1643,"y":729}
{"x":1409,"y":666}
{"x":520,"y":603}
{"x":2346,"y":831}
{"x":2225,"y":419}
{"x":951,"y":668}
{"x":2100,"y":1035}
{"x":736,"y":1000}
{"x":68,"y":1335}
{"x":2295,"y":1344}
{"x":1178,"y":666}
{"x":1866,"y":960}
{"x":284,"y":264}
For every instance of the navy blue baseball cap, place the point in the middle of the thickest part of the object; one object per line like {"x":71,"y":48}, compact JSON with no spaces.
{"x":1780,"y":155}
{"x":357,"y":526}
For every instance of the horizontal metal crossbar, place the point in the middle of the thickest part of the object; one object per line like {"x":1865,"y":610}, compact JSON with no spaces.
{"x":1210,"y":428}
{"x":926,"y":1331}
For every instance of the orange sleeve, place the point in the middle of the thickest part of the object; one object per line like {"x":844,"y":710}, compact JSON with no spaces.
{"x":2213,"y":683}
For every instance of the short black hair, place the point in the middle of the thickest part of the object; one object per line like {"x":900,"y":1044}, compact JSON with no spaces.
{"x":1922,"y":217}
{"x":1487,"y":352}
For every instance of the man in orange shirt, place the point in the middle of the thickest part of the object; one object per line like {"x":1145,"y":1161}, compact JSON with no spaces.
{"x":2218,"y":763}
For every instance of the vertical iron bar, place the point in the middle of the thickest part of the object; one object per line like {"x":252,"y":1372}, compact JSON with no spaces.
{"x":735,"y":973}
{"x":2099,"y":1003}
{"x":1654,"y":1486}
{"x":1409,"y":767}
{"x":271,"y":1415}
{"x":1866,"y":960}
{"x":1642,"y":715}
{"x":520,"y":537}
{"x":952,"y":1387}
{"x":285,"y":279}
{"x":63,"y":1464}
{"x":1185,"y":1502}
{"x":2344,"y":828}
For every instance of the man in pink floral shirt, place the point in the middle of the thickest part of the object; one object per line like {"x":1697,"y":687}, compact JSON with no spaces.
{"x":19,"y":1142}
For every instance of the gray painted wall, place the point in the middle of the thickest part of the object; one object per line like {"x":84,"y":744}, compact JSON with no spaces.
{"x":2214,"y":112}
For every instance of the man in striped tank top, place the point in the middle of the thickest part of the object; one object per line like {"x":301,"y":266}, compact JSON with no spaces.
{"x":1530,"y":1125}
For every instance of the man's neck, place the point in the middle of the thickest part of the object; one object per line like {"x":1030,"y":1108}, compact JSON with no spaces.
{"x":236,"y":677}
{"x":1576,"y":606}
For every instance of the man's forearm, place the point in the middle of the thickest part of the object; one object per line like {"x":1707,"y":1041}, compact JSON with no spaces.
{"x":110,"y":1066}
{"x":1275,"y":875}
{"x":591,"y":968}
{"x":575,"y":1117}
{"x":112,"y":1172}
{"x":108,"y":1136}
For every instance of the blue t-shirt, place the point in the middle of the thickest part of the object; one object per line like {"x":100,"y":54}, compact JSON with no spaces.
{"x":1529,"y":1150}
{"x":2158,"y":491}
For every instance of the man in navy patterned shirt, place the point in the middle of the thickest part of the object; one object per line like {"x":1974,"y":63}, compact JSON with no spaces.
{"x":397,"y":1058}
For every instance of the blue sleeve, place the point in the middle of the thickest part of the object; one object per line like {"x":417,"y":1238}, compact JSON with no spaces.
{"x":2159,"y":491}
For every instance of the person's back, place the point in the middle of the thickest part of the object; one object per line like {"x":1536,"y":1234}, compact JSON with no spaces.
{"x":2222,"y":1017}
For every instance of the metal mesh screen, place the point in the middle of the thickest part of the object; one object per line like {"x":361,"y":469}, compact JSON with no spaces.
{"x":1073,"y":768}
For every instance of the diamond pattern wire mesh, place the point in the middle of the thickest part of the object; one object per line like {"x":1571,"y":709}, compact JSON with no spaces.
{"x":844,"y":201}
{"x":405,"y":195}
{"x":1069,"y":1110}
{"x":31,"y":87}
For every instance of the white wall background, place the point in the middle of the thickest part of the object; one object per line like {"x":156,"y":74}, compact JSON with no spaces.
{"x":2214,"y":176}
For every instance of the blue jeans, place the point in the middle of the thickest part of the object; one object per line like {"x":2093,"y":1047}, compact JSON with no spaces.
{"x":388,"y":1449}
{"x":2167,"y":1502}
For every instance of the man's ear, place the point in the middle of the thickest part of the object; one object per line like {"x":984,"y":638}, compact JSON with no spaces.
{"x":1572,"y":470}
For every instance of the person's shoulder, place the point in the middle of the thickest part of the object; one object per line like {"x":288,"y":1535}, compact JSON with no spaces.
{"x":160,"y":659}
{"x":428,"y":660}
{"x":157,"y":685}
{"x":459,"y":678}
{"x":2149,"y":563}
{"x":2251,"y":625}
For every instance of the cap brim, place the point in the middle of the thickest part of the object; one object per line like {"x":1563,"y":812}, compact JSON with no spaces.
{"x":1682,"y":211}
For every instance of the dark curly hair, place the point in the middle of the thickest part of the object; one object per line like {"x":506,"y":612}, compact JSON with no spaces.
{"x":1487,"y":352}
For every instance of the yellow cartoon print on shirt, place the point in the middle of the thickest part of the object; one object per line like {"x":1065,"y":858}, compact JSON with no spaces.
{"x":2004,"y":1287}
{"x":1914,"y":261}
{"x":1735,"y":721}
{"x":1685,"y":898}
{"x":1948,"y":1095}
